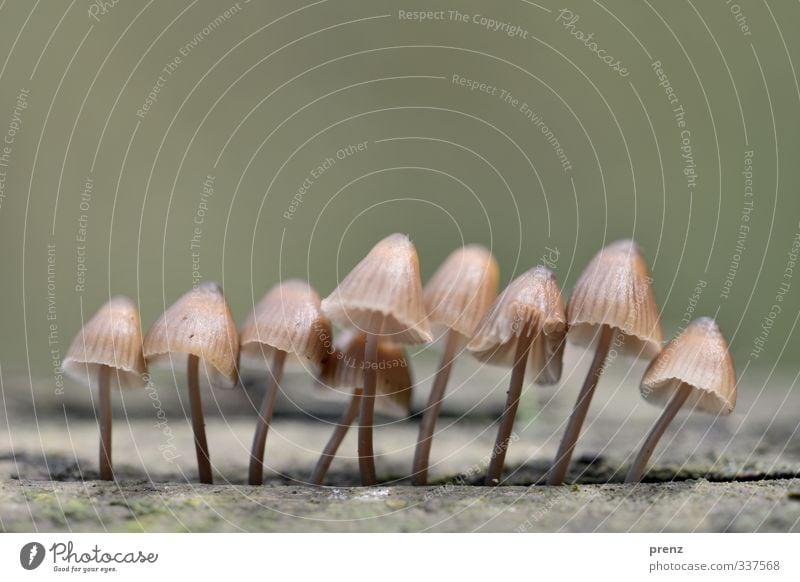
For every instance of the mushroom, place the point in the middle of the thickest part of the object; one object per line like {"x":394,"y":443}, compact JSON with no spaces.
{"x":694,"y":370}
{"x":345,"y":369}
{"x":526,"y":326}
{"x":108,"y":349}
{"x":200,"y":325}
{"x":456,"y":297}
{"x":381,"y":297}
{"x":612,"y":300}
{"x":286,"y":321}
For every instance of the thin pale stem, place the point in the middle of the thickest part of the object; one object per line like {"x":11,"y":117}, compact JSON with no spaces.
{"x":198,"y":424}
{"x":366,"y":455}
{"x":561,"y":463}
{"x":431,"y":415}
{"x":256,"y":475}
{"x":510,"y":412}
{"x":103,"y":386}
{"x":636,"y":472}
{"x":339,"y":432}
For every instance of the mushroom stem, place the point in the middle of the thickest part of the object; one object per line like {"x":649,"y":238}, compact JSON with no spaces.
{"x":342,"y":426}
{"x":636,"y":472}
{"x":366,"y":456}
{"x":512,"y":402}
{"x":430,"y":416}
{"x":198,"y":424}
{"x":103,"y":386}
{"x":256,"y":475}
{"x":561,"y":463}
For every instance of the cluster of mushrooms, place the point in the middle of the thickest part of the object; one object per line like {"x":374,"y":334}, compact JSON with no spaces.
{"x":381,"y":306}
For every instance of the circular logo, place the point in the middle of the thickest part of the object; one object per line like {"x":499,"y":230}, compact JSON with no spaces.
{"x":31,"y":555}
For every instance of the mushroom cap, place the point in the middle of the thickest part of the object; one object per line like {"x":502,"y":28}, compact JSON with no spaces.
{"x":199,"y":323}
{"x":345,"y":369}
{"x":531,"y":303}
{"x":288,"y":318}
{"x":113,"y":338}
{"x":386,"y":283}
{"x":697,"y":357}
{"x":615,"y":290}
{"x":462,"y":289}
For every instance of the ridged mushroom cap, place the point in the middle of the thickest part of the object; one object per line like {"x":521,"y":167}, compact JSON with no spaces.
{"x":200,"y":323}
{"x":699,"y":358}
{"x":462,"y":289}
{"x":288,"y":318}
{"x":615,"y":290}
{"x":345,"y":369}
{"x":385,"y":286}
{"x":113,"y":338}
{"x":531,"y":303}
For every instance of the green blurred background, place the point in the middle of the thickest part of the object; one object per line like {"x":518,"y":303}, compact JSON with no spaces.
{"x":265,"y":92}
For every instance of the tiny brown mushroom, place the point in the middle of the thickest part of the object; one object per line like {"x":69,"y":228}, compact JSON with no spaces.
{"x":525,"y":327}
{"x":345,"y":369}
{"x":612,"y":301}
{"x":286,"y":321}
{"x":106,"y":351}
{"x":381,"y":297}
{"x":456,"y":298}
{"x":694,"y":371}
{"x":200,"y":325}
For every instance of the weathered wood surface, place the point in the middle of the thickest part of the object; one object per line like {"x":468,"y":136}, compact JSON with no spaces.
{"x":727,"y":474}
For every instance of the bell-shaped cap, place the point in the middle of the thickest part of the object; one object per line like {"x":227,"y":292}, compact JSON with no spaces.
{"x":462,"y":289}
{"x":383,"y":294}
{"x":113,"y":338}
{"x":615,"y":290}
{"x":288,"y":318}
{"x":531,"y":304}
{"x":345,"y":369}
{"x":699,"y":358}
{"x":200,"y":323}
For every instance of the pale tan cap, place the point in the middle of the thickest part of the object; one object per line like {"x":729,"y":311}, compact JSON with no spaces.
{"x":615,"y":290}
{"x":113,"y":338}
{"x":385,"y":283}
{"x":699,"y":358}
{"x":200,"y":323}
{"x":288,"y":318}
{"x":462,"y":289}
{"x":532,"y":302}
